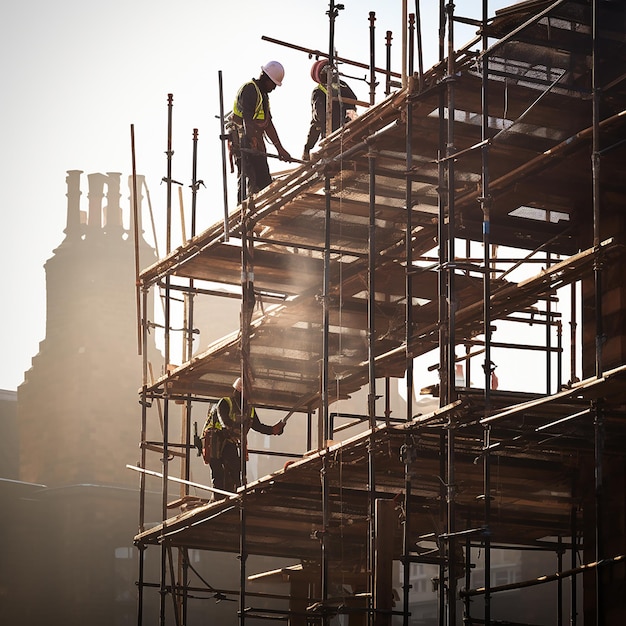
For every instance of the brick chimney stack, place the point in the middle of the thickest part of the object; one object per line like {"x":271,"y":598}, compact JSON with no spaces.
{"x":112,"y":212}
{"x":95,"y":195}
{"x":73,"y":225}
{"x":77,"y":407}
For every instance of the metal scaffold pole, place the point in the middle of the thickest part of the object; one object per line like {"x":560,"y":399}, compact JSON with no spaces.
{"x":167,"y":325}
{"x":195,"y":183}
{"x":487,"y":366}
{"x":372,"y":80}
{"x":597,"y":270}
{"x":450,"y":541}
{"x":420,"y":55}
{"x":573,"y":553}
{"x":243,"y":556}
{"x":142,"y":479}
{"x":135,"y":228}
{"x":247,"y":308}
{"x":169,"y":153}
{"x":324,"y":397}
{"x":223,"y":148}
{"x":406,"y":549}
{"x":404,"y":44}
{"x":142,"y":329}
{"x":450,"y":81}
{"x":189,"y":297}
{"x":442,"y":227}
{"x":332,"y":14}
{"x":548,"y":329}
{"x":442,"y":279}
{"x":388,"y":38}
{"x":371,"y":398}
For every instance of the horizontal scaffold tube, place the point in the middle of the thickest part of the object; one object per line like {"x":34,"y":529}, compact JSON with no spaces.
{"x":546,"y":579}
{"x":180,"y":480}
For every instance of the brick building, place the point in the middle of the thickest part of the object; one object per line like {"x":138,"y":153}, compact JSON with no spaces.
{"x":72,"y":504}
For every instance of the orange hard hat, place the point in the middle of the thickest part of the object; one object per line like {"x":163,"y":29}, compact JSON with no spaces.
{"x":317,"y":68}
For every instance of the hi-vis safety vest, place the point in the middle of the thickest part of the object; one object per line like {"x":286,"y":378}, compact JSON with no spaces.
{"x":259,"y":111}
{"x":213,"y":421}
{"x":235,"y":422}
{"x":214,"y":434}
{"x":336,"y":89}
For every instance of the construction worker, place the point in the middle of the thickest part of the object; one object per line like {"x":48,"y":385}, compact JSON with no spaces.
{"x":252,"y":121}
{"x":343,"y":110}
{"x":222,"y":439}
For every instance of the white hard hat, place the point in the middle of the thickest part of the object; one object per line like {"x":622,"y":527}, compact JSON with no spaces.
{"x":237,"y":384}
{"x":275,"y":71}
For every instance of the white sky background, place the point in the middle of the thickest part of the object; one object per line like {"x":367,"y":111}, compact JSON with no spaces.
{"x":76,"y":74}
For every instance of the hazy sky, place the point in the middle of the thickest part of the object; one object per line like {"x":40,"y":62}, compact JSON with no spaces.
{"x":76,"y":74}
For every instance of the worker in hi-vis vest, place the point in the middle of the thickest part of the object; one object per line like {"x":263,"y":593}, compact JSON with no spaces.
{"x":222,"y":437}
{"x":343,"y":105}
{"x":250,"y":122}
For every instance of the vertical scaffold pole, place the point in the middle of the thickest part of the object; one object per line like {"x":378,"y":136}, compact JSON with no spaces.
{"x":372,"y":19}
{"x":243,"y":555}
{"x":574,"y":535}
{"x":187,"y":354}
{"x":411,"y":45}
{"x":333,"y":12}
{"x":371,"y":398}
{"x":404,"y":44}
{"x":190,"y":297}
{"x":442,"y":226}
{"x":247,"y":308}
{"x":451,"y":167}
{"x":324,"y":373}
{"x":451,"y":298}
{"x":142,"y":479}
{"x":559,"y":589}
{"x":573,"y":332}
{"x":420,"y":53}
{"x":548,"y":329}
{"x":388,"y":38}
{"x":487,"y":367}
{"x":597,"y":268}
{"x":223,"y":139}
{"x":167,"y":325}
{"x":194,"y":182}
{"x":189,"y":305}
{"x":135,"y":228}
{"x":169,"y":153}
{"x":408,"y":331}
{"x":442,"y":237}
{"x":559,"y":354}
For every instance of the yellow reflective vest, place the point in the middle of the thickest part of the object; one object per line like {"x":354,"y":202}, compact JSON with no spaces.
{"x":259,"y":111}
{"x":232,"y":430}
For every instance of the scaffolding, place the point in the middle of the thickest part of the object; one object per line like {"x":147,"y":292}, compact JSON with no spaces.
{"x":382,"y":250}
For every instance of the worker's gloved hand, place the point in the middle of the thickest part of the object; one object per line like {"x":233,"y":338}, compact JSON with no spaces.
{"x":278,"y":428}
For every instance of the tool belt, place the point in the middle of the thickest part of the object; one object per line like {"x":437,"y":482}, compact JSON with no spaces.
{"x":214,"y":441}
{"x":234,"y":140}
{"x":237,"y":139}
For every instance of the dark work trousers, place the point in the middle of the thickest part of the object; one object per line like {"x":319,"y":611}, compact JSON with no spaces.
{"x":253,"y":174}
{"x":225,"y":469}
